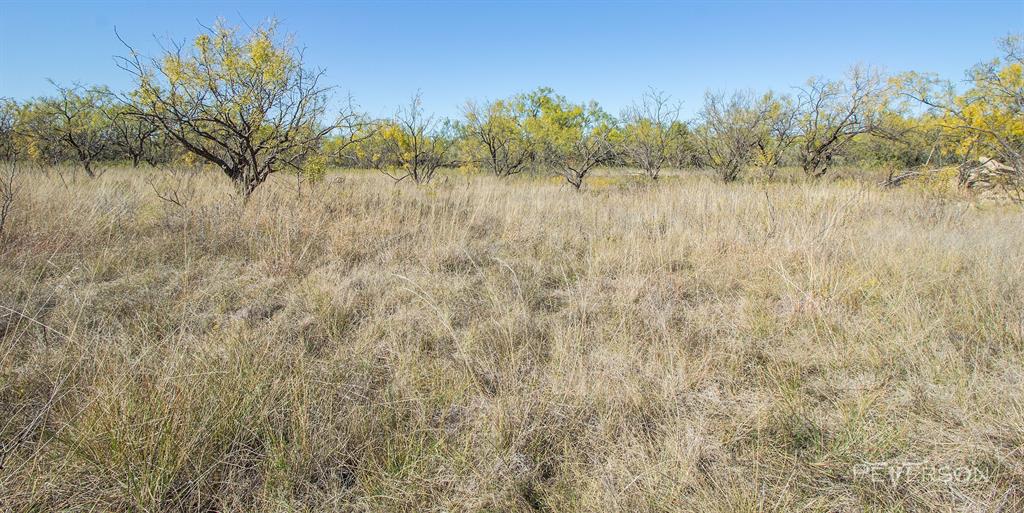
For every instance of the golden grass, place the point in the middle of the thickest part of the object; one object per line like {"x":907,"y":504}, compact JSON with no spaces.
{"x":486,"y":345}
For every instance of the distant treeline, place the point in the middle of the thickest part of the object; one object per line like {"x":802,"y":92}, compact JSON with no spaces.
{"x":246,"y":103}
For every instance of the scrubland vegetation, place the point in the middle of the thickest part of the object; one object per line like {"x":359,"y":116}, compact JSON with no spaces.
{"x":219,"y":294}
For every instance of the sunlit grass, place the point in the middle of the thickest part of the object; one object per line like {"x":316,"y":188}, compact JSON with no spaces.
{"x":487,"y":345}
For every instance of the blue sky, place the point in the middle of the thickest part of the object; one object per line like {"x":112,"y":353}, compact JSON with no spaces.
{"x":382,"y":52}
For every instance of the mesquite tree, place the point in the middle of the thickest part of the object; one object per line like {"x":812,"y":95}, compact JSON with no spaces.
{"x":572,"y":138}
{"x":650,"y":135}
{"x":730,"y":130}
{"x":415,"y":145}
{"x":133,"y":136}
{"x":583,"y":147}
{"x":834,"y":112}
{"x":499,"y":136}
{"x":243,"y":102}
{"x":778,"y":133}
{"x":73,"y":124}
{"x":8,"y":159}
{"x":986,"y":121}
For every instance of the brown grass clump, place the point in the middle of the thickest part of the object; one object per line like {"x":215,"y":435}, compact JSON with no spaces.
{"x":486,"y":345}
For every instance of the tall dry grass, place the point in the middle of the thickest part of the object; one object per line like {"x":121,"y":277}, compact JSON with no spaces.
{"x":485,"y":345}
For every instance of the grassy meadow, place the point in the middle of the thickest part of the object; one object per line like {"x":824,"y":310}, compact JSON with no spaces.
{"x":508,"y":345}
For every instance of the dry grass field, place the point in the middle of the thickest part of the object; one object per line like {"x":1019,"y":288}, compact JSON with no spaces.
{"x":486,"y":345}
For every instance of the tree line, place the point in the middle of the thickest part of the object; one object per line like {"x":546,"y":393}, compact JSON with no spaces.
{"x":246,"y":103}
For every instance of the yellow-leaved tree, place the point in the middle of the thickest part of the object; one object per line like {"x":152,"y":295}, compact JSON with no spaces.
{"x":571,"y":138}
{"x":987,"y":119}
{"x":496,"y":136}
{"x":414,"y":145}
{"x":244,"y":102}
{"x":72,"y":125}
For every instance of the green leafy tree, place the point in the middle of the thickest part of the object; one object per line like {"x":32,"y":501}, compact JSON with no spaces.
{"x":686,"y":152}
{"x":904,"y":140}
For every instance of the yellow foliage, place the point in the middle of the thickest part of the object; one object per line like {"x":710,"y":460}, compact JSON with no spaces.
{"x":315,"y":168}
{"x":936,"y":182}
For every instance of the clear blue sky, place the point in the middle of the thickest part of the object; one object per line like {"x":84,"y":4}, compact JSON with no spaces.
{"x":382,"y":52}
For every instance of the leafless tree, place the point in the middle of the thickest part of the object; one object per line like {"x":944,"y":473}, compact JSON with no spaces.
{"x":134,"y":136}
{"x":8,"y":189}
{"x":8,"y":118}
{"x":8,"y":159}
{"x":416,"y":145}
{"x":730,"y":130}
{"x":833,"y":113}
{"x":351,"y":129}
{"x":650,"y":134}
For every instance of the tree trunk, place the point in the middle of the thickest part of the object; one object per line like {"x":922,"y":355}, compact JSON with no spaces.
{"x":246,"y":185}
{"x":817,"y":166}
{"x":576,"y":183}
{"x":88,"y":169}
{"x":730,"y":174}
